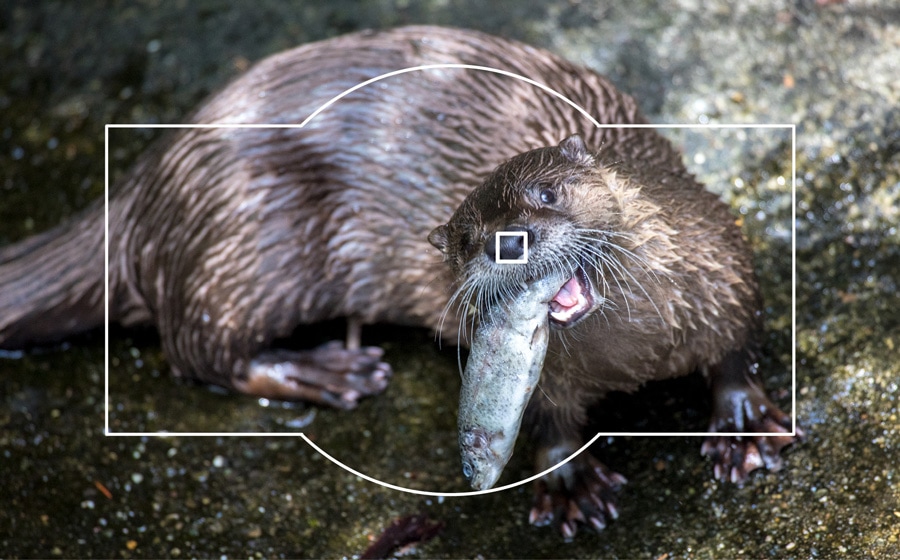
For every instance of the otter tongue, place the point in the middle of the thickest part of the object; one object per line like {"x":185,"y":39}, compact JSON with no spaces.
{"x":570,"y":301}
{"x":569,"y":295}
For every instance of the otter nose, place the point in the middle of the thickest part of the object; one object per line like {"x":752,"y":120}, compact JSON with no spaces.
{"x":512,"y":247}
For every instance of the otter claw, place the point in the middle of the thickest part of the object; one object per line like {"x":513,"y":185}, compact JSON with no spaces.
{"x":734,"y":458}
{"x":597,"y":523}
{"x":589,"y":500}
{"x":611,"y":508}
{"x":568,"y":529}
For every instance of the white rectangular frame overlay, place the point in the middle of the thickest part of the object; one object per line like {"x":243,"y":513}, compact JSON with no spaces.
{"x":791,"y":127}
{"x":497,"y":246}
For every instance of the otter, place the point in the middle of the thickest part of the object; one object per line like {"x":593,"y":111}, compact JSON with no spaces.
{"x":227,"y":239}
{"x":653,"y":279}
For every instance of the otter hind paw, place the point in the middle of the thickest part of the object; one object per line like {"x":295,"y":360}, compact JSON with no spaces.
{"x":581,"y":491}
{"x":329,"y":374}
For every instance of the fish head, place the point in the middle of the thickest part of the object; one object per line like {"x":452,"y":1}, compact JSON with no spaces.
{"x":484,"y":455}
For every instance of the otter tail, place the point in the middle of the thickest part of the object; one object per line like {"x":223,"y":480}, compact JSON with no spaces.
{"x":51,"y":285}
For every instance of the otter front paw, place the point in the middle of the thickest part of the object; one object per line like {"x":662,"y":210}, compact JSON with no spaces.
{"x":735,"y":457}
{"x":747,"y":409}
{"x":581,"y":491}
{"x":329,"y":374}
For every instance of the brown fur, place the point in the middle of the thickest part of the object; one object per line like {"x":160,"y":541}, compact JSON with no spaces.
{"x":680,"y":292}
{"x":226,"y":240}
{"x":673,"y":291}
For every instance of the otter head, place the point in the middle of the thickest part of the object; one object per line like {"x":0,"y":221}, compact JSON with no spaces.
{"x":545,"y":203}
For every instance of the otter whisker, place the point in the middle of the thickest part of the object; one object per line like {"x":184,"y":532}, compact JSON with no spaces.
{"x":638,"y":259}
{"x":600,"y":258}
{"x":626,"y":271}
{"x":587,"y":244}
{"x":457,"y":299}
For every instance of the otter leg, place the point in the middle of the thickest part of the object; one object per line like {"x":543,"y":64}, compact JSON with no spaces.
{"x":330,"y":374}
{"x":582,"y":490}
{"x":740,"y":404}
{"x":333,"y":374}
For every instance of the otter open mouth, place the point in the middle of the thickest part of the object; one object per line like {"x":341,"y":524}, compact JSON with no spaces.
{"x":573,"y":301}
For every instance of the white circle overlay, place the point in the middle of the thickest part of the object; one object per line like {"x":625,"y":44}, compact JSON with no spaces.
{"x":423,"y":67}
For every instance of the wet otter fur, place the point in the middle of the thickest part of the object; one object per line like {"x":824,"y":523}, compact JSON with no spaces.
{"x":660,"y":284}
{"x":227,"y":239}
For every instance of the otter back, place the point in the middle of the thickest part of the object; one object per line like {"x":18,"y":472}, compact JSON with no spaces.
{"x":226,"y":239}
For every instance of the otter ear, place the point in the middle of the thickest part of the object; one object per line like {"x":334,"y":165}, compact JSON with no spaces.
{"x":574,"y":150}
{"x":438,"y":238}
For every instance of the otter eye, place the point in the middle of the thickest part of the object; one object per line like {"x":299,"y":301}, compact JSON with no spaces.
{"x":547,"y":195}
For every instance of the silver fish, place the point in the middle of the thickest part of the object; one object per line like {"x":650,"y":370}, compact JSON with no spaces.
{"x":504,"y":367}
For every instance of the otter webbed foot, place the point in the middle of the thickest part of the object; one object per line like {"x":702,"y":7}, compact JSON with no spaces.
{"x":581,"y":491}
{"x":329,"y":374}
{"x":735,"y":457}
{"x":740,"y":404}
